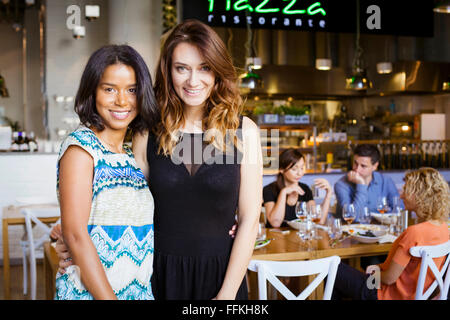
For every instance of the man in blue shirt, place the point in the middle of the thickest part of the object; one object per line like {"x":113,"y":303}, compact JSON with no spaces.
{"x":364,"y":185}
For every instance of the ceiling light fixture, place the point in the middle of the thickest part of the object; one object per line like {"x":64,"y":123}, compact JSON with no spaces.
{"x":92,"y":12}
{"x":358,"y":79}
{"x":250,"y":80}
{"x":442,"y":7}
{"x":446,"y":84}
{"x":79,"y":32}
{"x":384,"y":67}
{"x":325,"y":63}
{"x":254,"y":61}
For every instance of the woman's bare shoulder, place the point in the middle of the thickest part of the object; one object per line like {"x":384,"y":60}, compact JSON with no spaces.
{"x":248,"y":124}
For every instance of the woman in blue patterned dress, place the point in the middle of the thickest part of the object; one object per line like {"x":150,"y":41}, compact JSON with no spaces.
{"x":106,"y":205}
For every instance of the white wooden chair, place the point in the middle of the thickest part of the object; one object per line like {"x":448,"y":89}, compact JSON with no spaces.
{"x":32,"y":209}
{"x":269,"y":270}
{"x":427,"y":253}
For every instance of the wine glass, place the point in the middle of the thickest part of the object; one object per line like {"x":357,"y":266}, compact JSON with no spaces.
{"x":334,"y":228}
{"x":395,"y":218}
{"x":261,"y":232}
{"x":315,"y":212}
{"x":315,"y":215}
{"x":396,"y":204}
{"x":300,"y":210}
{"x":364,"y":215}
{"x":349,"y":213}
{"x":382,"y":205}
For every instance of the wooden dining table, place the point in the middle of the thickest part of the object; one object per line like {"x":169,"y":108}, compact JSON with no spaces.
{"x":290,"y":247}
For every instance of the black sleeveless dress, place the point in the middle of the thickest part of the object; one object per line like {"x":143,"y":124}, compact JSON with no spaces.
{"x":196,"y":193}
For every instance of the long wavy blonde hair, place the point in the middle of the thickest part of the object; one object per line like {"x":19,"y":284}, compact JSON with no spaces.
{"x":430,"y":192}
{"x":224,"y":105}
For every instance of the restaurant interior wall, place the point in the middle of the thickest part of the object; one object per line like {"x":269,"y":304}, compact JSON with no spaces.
{"x":301,"y":48}
{"x":121,"y":22}
{"x":10,"y":63}
{"x":138,"y":24}
{"x":22,"y":72}
{"x":67,"y":56}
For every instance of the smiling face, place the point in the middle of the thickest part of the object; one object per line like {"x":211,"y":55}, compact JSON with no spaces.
{"x":116,"y":97}
{"x":294,"y":173}
{"x":192,"y":78}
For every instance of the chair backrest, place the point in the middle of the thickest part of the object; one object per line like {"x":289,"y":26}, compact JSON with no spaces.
{"x":442,"y":277}
{"x":269,"y":270}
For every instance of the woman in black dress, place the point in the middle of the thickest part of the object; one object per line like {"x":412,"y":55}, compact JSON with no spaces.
{"x":204,"y":166}
{"x":281,"y":196}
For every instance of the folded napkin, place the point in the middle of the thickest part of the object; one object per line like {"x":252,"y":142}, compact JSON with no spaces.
{"x":387,"y":238}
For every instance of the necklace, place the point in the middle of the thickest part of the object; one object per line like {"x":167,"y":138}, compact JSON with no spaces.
{"x":112,"y":147}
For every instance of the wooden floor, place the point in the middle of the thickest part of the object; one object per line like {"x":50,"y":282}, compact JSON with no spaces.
{"x":16,"y":283}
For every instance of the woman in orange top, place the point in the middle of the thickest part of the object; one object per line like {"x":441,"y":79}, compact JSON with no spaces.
{"x":427,"y":194}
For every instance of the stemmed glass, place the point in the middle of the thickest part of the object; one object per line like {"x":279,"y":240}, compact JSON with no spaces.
{"x":315,"y":212}
{"x":396,"y":207}
{"x":396,"y":215}
{"x":315,"y":215}
{"x":364,"y":215}
{"x":334,"y":228}
{"x":349,"y":213}
{"x":300,"y":210}
{"x":382,"y":205}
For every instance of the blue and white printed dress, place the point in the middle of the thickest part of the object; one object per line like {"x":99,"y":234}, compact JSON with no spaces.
{"x":120,"y":222}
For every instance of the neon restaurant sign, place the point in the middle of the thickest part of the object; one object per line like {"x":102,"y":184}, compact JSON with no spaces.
{"x":376,"y":16}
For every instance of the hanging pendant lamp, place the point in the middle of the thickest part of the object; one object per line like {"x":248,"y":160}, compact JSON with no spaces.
{"x":250,"y":80}
{"x":358,"y":79}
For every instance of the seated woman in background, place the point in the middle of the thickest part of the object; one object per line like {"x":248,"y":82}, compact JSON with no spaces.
{"x":427,"y":194}
{"x":281,"y":196}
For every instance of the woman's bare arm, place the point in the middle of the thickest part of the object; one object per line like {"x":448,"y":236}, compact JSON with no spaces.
{"x":75,"y":187}
{"x":250,"y":199}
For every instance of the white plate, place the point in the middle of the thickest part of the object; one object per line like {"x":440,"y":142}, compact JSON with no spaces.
{"x":295,"y":224}
{"x":386,"y":218}
{"x":364,"y":227}
{"x":364,"y":239}
{"x":357,"y":232}
{"x":262,"y":243}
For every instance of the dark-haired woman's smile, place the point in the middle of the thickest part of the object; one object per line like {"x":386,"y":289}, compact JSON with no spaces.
{"x":116,"y":96}
{"x":120,"y":115}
